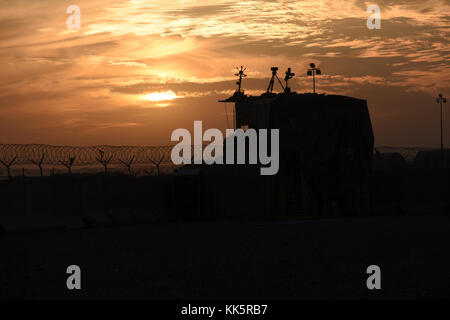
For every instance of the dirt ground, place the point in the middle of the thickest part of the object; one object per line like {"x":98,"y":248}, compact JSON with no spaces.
{"x":307,"y":259}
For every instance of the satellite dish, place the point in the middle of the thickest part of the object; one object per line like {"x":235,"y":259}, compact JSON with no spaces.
{"x":312,"y":65}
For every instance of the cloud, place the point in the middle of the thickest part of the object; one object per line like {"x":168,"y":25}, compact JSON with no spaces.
{"x":72,"y":82}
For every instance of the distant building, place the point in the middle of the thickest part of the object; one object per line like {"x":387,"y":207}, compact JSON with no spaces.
{"x":432,"y":159}
{"x":392,"y":161}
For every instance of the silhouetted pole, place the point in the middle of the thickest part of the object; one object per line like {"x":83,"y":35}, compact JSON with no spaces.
{"x":314,"y":82}
{"x":312,"y":72}
{"x":440,"y":99}
{"x":241,"y":75}
{"x":442,"y":137}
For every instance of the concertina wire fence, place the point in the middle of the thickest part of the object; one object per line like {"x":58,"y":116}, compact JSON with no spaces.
{"x":39,"y":155}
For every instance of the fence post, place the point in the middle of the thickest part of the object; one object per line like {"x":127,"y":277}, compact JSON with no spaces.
{"x":105,"y":162}
{"x":128,"y":164}
{"x":25,"y":198}
{"x":8,"y":166}
{"x":157,"y":164}
{"x":39,"y":164}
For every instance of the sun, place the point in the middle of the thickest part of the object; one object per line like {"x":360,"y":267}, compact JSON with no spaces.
{"x":160,"y":96}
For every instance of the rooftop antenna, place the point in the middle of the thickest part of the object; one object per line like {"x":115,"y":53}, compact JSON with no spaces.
{"x":238,"y":94}
{"x":289,"y":75}
{"x":274,"y":75}
{"x":313,"y":71}
{"x":241,"y":75}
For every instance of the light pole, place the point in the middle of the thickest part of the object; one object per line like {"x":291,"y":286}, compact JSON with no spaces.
{"x":440,"y":99}
{"x":313,"y":71}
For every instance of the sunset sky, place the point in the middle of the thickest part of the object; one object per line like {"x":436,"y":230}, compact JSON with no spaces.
{"x":137,"y":70}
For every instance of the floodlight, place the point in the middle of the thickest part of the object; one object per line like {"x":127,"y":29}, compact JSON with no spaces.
{"x":313,"y":72}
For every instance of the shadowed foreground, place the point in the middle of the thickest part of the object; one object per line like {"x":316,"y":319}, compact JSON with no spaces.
{"x":261,"y":260}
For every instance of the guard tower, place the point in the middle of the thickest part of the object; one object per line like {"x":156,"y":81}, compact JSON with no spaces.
{"x":326,"y":146}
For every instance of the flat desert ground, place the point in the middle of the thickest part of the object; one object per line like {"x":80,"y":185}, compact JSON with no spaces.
{"x":290,"y":259}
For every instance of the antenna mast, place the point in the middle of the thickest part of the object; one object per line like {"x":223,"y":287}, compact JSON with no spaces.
{"x":289,"y":75}
{"x":241,"y":75}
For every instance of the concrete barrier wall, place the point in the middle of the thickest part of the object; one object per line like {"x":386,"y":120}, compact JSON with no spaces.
{"x":98,"y":200}
{"x":95,"y":199}
{"x":411,"y":190}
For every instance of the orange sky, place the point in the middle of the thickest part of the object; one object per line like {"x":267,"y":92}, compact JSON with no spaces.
{"x":136,"y":70}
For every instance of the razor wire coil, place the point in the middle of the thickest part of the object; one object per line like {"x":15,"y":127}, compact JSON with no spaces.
{"x":83,"y":156}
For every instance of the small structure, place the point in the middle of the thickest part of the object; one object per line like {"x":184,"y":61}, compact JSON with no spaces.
{"x":392,"y":161}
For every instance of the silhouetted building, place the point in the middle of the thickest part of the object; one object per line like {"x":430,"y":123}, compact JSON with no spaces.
{"x":326,"y":145}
